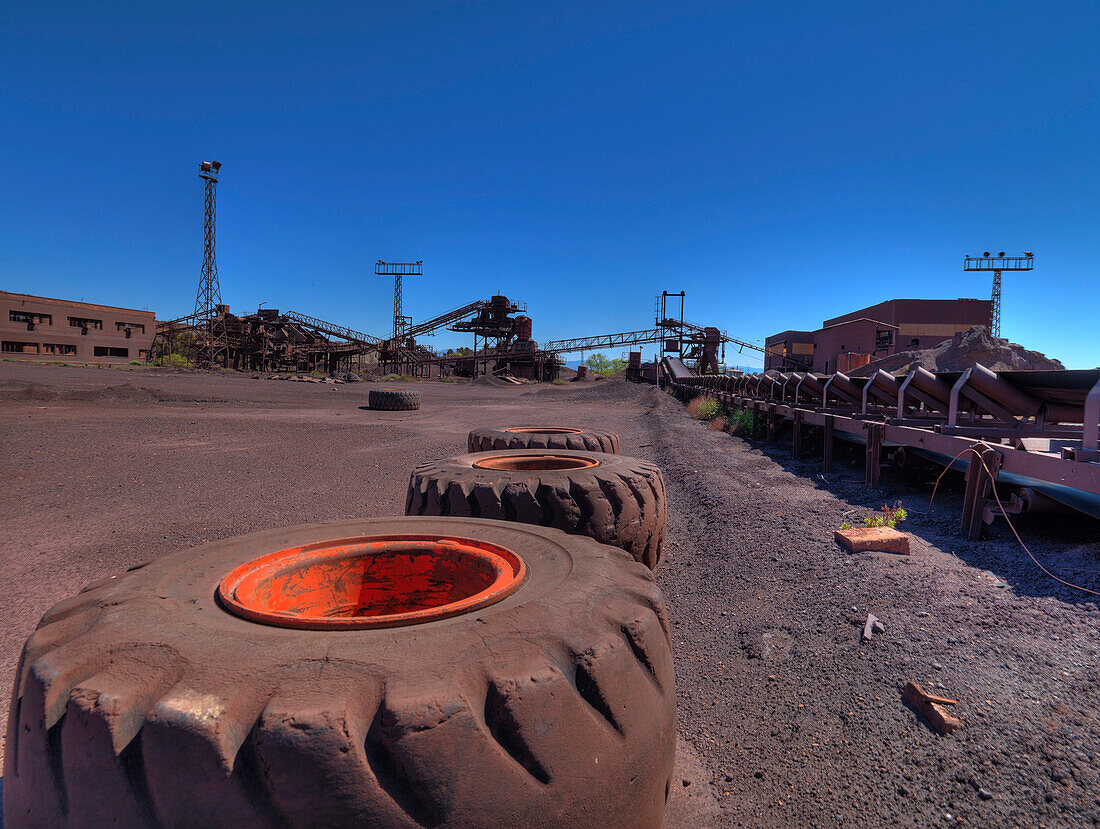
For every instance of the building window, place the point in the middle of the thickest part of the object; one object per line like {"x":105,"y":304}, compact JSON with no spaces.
{"x":27,"y":316}
{"x":107,"y":351}
{"x":83,"y":322}
{"x":130,"y":326}
{"x":12,"y":347}
{"x":915,"y":342}
{"x":58,"y":348}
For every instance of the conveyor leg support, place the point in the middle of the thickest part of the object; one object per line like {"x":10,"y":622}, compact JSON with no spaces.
{"x":981,"y":472}
{"x":873,"y":457}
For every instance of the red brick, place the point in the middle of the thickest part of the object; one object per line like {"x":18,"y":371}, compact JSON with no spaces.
{"x":864,"y":539}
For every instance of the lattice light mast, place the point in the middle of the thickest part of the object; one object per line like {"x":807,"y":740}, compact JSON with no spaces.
{"x":398,"y":270}
{"x":998,"y":263}
{"x":209,"y":295}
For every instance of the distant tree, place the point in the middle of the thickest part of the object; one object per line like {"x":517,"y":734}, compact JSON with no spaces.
{"x":602,"y":365}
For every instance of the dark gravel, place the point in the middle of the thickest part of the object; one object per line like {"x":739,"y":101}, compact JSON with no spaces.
{"x":786,"y":718}
{"x":802,"y":724}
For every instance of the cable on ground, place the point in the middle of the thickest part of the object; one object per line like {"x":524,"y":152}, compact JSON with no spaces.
{"x":1011,"y":526}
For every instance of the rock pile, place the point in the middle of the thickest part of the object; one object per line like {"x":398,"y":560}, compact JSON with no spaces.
{"x":963,"y":350}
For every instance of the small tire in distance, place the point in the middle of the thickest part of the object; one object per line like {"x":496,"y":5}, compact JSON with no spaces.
{"x":394,"y":400}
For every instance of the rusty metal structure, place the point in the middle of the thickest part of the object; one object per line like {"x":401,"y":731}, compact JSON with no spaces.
{"x":292,"y":341}
{"x":998,"y":263}
{"x":398,"y":270}
{"x":492,"y":323}
{"x":502,"y":343}
{"x":210,"y":346}
{"x":501,"y":331}
{"x":702,"y":347}
{"x":1035,"y":431}
{"x":270,"y":341}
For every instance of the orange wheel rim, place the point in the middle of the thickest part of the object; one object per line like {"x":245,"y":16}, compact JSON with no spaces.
{"x":544,"y":430}
{"x":533,"y":463}
{"x":371,"y":582}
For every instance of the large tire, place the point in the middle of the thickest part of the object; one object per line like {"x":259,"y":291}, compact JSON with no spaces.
{"x":394,"y":400}
{"x":617,"y":500}
{"x":542,"y":437}
{"x":142,"y":701}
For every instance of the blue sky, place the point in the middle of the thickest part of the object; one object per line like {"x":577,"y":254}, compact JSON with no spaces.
{"x":782,"y":162}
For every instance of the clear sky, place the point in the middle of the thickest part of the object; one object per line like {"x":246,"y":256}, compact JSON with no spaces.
{"x":782,"y":162}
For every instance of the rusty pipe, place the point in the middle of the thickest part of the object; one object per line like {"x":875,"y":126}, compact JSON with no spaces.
{"x":812,"y":384}
{"x":886,"y":384}
{"x":1015,"y":400}
{"x":792,"y":383}
{"x":927,"y":388}
{"x":841,"y":385}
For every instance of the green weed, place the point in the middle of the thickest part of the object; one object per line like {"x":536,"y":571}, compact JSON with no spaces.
{"x":173,"y":360}
{"x":703,"y":408}
{"x":887,"y":516}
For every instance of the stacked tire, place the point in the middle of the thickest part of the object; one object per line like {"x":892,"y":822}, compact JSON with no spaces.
{"x":500,"y":658}
{"x":615,"y":499}
{"x":542,"y":437}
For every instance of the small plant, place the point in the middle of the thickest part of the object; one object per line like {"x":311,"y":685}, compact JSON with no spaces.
{"x":558,"y":382}
{"x":174,"y":360}
{"x":887,"y":516}
{"x":397,"y":378}
{"x":717,"y":423}
{"x":703,"y":408}
{"x":739,"y":421}
{"x":844,"y":525}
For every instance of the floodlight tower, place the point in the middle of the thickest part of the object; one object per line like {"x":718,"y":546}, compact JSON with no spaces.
{"x":398,"y":270}
{"x":209,"y":295}
{"x":998,"y":263}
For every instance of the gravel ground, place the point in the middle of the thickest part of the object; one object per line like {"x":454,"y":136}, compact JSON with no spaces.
{"x":786,"y":718}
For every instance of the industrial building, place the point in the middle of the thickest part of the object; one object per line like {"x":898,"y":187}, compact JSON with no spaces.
{"x":40,"y":326}
{"x":855,"y":339}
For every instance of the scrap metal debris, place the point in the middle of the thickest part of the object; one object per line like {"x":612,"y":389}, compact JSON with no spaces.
{"x":931,"y":708}
{"x":871,"y":627}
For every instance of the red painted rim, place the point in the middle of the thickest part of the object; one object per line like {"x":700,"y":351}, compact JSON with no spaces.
{"x":533,"y":463}
{"x":544,"y":430}
{"x":371,"y":582}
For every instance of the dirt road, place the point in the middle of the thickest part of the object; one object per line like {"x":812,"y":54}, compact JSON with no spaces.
{"x":786,"y":718}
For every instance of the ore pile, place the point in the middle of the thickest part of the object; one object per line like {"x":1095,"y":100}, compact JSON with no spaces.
{"x":963,"y":350}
